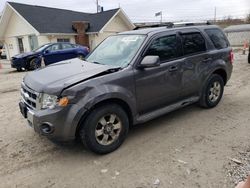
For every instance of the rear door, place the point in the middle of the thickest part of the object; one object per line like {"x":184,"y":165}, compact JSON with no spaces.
{"x":157,"y":87}
{"x":68,"y":52}
{"x":195,"y":61}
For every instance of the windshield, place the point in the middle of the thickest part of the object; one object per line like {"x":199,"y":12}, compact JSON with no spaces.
{"x":41,"y":48}
{"x":117,"y":50}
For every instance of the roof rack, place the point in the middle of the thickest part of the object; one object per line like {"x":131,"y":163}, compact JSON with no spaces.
{"x":153,"y":25}
{"x":172,"y":25}
{"x":186,"y":24}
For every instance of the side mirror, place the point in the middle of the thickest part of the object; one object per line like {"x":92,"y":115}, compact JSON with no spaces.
{"x":150,"y":61}
{"x":46,"y":51}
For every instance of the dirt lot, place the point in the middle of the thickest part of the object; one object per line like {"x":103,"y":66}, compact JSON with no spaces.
{"x":190,"y":148}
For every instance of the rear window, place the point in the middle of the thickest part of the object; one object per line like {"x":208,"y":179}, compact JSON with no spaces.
{"x":193,"y":43}
{"x":218,"y":38}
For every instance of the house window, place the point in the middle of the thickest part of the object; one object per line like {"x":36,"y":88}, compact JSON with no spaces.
{"x":63,"y":40}
{"x":20,"y":45}
{"x":33,"y":42}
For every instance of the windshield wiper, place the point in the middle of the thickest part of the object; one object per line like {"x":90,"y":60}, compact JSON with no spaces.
{"x":97,"y":63}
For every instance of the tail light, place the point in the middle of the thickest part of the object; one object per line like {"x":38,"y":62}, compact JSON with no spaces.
{"x":87,"y":49}
{"x":231,"y":57}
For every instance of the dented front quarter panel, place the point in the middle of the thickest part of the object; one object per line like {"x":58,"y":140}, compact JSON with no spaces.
{"x":117,"y":85}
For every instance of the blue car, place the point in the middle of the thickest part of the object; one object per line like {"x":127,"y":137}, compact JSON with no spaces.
{"x":51,"y":53}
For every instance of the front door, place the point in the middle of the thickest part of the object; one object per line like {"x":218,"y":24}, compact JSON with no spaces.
{"x":53,"y":54}
{"x":159,"y":86}
{"x":20,"y":45}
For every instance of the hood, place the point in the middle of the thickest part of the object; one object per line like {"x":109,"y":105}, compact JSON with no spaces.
{"x":54,"y":78}
{"x":26,"y":54}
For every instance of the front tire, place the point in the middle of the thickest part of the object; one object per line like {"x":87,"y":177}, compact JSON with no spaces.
{"x":212,"y":92}
{"x":33,"y":64}
{"x":19,"y":69}
{"x":105,"y":128}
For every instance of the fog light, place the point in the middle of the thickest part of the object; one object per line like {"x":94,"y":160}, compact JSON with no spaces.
{"x":46,"y":128}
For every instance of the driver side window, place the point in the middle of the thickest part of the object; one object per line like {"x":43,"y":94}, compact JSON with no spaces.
{"x":164,"y":47}
{"x":54,"y":47}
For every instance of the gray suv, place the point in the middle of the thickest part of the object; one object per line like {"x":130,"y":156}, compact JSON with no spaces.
{"x":130,"y":78}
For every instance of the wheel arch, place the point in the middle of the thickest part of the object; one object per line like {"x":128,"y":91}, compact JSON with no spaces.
{"x":124,"y":105}
{"x":221,"y":72}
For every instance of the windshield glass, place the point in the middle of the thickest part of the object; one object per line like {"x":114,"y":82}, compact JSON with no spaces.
{"x":41,"y":48}
{"x":117,"y":50}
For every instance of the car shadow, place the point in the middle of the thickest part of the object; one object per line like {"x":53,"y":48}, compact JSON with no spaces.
{"x":77,"y":148}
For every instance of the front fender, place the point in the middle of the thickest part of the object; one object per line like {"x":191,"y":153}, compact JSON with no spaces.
{"x":85,"y":100}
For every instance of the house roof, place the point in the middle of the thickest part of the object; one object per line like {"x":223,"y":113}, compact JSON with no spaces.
{"x":53,"y":20}
{"x":237,"y":28}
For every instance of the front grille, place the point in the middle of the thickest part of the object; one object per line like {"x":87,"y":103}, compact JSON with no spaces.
{"x":30,"y":97}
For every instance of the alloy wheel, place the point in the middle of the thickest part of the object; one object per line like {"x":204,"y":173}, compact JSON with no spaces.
{"x":214,"y":91}
{"x":108,"y":129}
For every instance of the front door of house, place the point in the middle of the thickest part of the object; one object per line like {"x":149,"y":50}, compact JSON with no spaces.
{"x":20,"y":45}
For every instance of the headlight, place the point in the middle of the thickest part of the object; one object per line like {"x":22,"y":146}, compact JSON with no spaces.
{"x":49,"y":101}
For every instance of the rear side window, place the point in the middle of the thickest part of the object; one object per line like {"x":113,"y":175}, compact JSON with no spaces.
{"x":218,"y":38}
{"x":193,"y":43}
{"x":164,"y":47}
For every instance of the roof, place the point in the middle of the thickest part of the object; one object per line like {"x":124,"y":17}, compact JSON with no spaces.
{"x":237,"y":28}
{"x":54,"y":20}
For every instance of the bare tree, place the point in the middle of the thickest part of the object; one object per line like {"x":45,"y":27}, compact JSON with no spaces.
{"x":248,"y":18}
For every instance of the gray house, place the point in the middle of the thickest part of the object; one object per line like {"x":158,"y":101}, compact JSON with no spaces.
{"x":238,"y":34}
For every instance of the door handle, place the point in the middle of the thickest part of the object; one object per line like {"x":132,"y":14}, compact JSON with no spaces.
{"x":173,"y":68}
{"x":206,"y":60}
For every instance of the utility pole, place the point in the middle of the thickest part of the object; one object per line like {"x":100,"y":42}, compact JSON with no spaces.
{"x":97,"y":6}
{"x":215,"y":12}
{"x":161,"y":17}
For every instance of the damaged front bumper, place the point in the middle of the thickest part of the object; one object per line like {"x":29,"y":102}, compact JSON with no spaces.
{"x":58,"y":124}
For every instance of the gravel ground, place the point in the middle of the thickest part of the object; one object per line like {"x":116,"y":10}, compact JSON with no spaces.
{"x":190,"y":148}
{"x":239,"y":168}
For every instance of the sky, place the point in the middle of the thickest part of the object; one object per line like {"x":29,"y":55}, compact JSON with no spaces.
{"x":144,"y":10}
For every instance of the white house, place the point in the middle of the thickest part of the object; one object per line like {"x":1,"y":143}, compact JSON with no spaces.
{"x":25,"y":27}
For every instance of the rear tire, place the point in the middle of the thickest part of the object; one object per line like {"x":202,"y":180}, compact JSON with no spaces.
{"x":212,"y":92}
{"x":104,"y":129}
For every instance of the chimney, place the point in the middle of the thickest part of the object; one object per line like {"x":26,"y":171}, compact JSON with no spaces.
{"x":81,"y":27}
